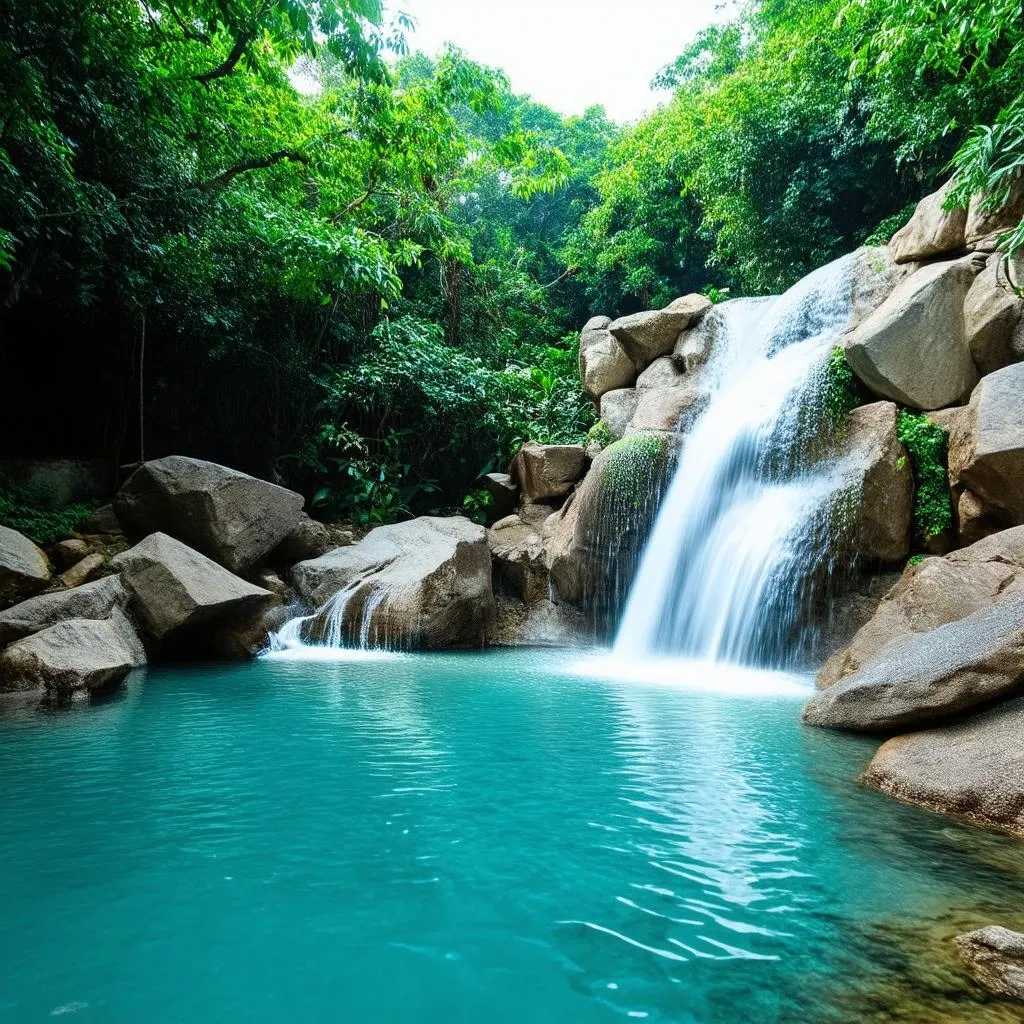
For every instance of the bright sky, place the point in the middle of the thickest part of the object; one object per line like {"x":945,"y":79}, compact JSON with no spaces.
{"x":567,"y":54}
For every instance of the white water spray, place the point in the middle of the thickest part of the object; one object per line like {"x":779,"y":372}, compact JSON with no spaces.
{"x":743,"y":524}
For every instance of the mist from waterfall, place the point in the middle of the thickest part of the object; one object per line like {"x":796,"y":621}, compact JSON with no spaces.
{"x":746,"y":521}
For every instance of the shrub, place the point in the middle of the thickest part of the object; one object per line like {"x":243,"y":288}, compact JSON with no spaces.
{"x":841,"y":390}
{"x":600,"y":434}
{"x":926,"y":443}
{"x":29,"y":513}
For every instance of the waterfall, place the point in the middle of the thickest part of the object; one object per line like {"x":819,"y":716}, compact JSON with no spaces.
{"x":745,"y":522}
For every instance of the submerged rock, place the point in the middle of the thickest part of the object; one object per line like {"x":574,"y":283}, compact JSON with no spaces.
{"x":546,"y":471}
{"x":76,"y":654}
{"x":89,"y":601}
{"x":995,"y":957}
{"x":913,"y":348}
{"x":646,"y":336}
{"x":935,"y":592}
{"x":422,"y":583}
{"x":24,"y":570}
{"x":932,"y":230}
{"x":183,"y":598}
{"x":986,"y":449}
{"x":930,"y":676}
{"x":229,"y":516}
{"x":604,"y":365}
{"x":970,"y":770}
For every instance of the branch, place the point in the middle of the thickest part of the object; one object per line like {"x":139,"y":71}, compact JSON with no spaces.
{"x":226,"y":66}
{"x":569,"y":272}
{"x":219,"y":181}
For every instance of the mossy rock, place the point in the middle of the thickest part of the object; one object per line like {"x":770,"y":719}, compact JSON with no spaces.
{"x":632,"y":465}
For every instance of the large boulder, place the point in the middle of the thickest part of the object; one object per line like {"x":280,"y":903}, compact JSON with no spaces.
{"x":646,"y":336}
{"x":604,"y":365}
{"x":517,"y":548}
{"x":885,"y":485}
{"x":930,"y":676}
{"x":539,"y":624}
{"x":546,"y":471}
{"x":973,"y":769}
{"x":90,"y":601}
{"x":617,"y":408}
{"x":422,"y":583}
{"x":76,"y":654}
{"x":986,"y":449}
{"x":933,"y":593}
{"x":232,"y":517}
{"x":931,"y":231}
{"x":24,"y":569}
{"x":984,"y":227}
{"x":309,"y":539}
{"x":503,"y":491}
{"x":594,"y":544}
{"x":184,"y":599}
{"x":913,"y":348}
{"x":995,"y":957}
{"x":993,"y":318}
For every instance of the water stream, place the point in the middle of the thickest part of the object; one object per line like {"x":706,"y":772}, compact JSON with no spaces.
{"x":746,"y":520}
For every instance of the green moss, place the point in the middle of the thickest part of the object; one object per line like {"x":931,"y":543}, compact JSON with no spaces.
{"x":600,"y":434}
{"x":841,"y":391}
{"x":632,"y":465}
{"x":926,"y":444}
{"x":41,"y":525}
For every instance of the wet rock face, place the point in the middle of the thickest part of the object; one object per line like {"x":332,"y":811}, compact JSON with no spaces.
{"x":913,"y":349}
{"x":995,"y":957}
{"x":986,"y":451}
{"x":425,"y":583}
{"x":930,"y":676}
{"x":971,"y":770}
{"x":231,"y":517}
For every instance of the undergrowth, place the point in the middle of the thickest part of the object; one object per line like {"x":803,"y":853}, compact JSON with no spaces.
{"x":926,"y":444}
{"x":28,"y":512}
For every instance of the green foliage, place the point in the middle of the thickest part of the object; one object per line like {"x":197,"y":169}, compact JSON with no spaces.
{"x":477,"y":505}
{"x":926,"y":443}
{"x":632,"y":465}
{"x":841,"y":391}
{"x":600,"y":435}
{"x":35,"y":516}
{"x":915,"y":560}
{"x":890,"y":225}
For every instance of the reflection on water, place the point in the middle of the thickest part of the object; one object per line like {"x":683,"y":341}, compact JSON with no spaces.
{"x":473,"y":837}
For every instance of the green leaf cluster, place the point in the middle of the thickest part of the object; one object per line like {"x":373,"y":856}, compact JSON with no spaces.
{"x":926,"y":444}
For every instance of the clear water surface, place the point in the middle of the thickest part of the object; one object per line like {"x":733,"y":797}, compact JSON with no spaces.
{"x":464,"y":838}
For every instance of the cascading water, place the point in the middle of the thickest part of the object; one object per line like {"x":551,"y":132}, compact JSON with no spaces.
{"x":744,"y":523}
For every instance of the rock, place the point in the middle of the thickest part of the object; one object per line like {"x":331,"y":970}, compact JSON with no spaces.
{"x":309,"y":539}
{"x":974,"y":522}
{"x":884,"y":480}
{"x":666,"y":409}
{"x":518,"y":552}
{"x":90,"y":601}
{"x":913,"y":348}
{"x":544,"y":471}
{"x":874,"y":275}
{"x":81,"y":572}
{"x":267,"y":579}
{"x":995,"y":957}
{"x":77,"y":654}
{"x":617,"y":408}
{"x":539,"y":624}
{"x":24,"y":570}
{"x":178,"y":593}
{"x":593,"y":546}
{"x":504,"y":492}
{"x":536,"y":515}
{"x":694,"y":347}
{"x":947,"y":418}
{"x":986,"y":450}
{"x":229,"y":516}
{"x":993,"y":319}
{"x":932,"y":593}
{"x":968,"y":770}
{"x":100,"y":522}
{"x":931,"y":231}
{"x":984,"y":228}
{"x":930,"y":676}
{"x":68,"y":552}
{"x":604,"y":365}
{"x":422,"y":583}
{"x":645,"y":336}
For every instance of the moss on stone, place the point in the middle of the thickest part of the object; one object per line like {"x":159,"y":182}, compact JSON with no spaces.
{"x":632,"y":465}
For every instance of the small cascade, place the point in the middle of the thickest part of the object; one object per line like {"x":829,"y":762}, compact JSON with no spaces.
{"x":748,"y":517}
